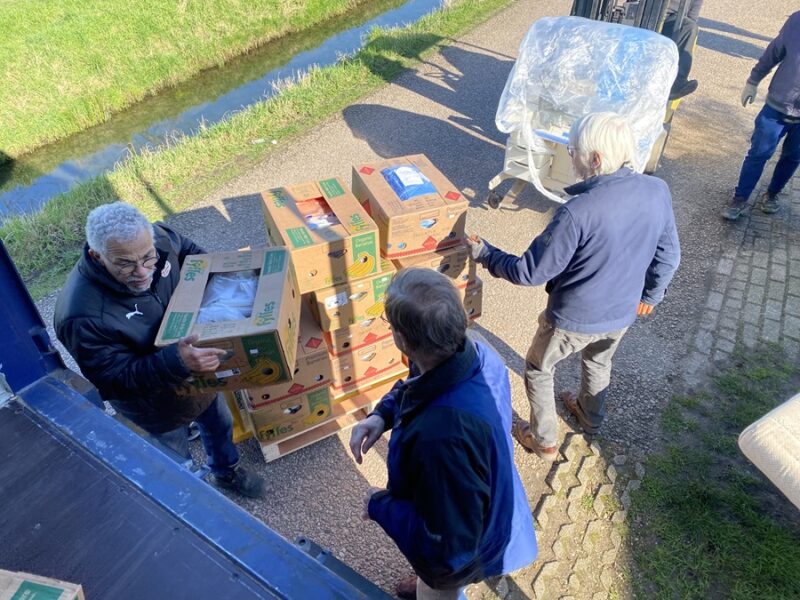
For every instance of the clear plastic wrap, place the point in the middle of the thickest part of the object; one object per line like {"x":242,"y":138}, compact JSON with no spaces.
{"x":229,"y":297}
{"x":570,"y":66}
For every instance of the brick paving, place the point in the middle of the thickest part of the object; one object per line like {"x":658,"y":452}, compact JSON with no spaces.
{"x":755,"y":291}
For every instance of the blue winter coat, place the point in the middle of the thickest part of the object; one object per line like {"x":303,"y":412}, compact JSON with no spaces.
{"x":455,"y":505}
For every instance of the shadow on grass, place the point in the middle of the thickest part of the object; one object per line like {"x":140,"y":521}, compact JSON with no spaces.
{"x":706,"y":523}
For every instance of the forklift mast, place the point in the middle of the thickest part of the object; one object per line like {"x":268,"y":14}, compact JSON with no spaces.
{"x":647,"y":14}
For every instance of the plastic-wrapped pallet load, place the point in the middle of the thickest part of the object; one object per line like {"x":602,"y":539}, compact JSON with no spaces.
{"x":570,"y":66}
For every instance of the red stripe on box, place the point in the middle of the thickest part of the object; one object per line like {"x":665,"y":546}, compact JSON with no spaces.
{"x":366,"y":170}
{"x":452,"y":195}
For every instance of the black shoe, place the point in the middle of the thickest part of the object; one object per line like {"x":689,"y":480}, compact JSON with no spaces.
{"x":770,"y":204}
{"x":242,"y":481}
{"x":679,"y":90}
{"x":735,"y":208}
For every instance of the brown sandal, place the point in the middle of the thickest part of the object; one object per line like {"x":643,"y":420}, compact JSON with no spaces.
{"x":521,"y":430}
{"x":570,"y":400}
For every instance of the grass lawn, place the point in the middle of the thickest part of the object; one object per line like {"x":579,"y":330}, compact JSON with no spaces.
{"x":706,"y":523}
{"x":46,"y":245}
{"x":69,"y":64}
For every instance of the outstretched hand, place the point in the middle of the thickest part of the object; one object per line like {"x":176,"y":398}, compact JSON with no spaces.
{"x":365,"y":434}
{"x":199,"y":360}
{"x":475,"y":245}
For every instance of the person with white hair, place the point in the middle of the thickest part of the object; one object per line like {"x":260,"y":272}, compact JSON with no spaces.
{"x":607,"y":256}
{"x":454,"y":504}
{"x":107,"y":316}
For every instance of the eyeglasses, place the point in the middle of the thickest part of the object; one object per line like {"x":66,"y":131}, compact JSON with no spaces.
{"x":385,"y":320}
{"x":571,"y":151}
{"x":128,"y":267}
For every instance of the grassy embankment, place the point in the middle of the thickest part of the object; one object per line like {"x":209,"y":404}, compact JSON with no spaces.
{"x":70,"y":64}
{"x":46,"y":245}
{"x":707,"y":523}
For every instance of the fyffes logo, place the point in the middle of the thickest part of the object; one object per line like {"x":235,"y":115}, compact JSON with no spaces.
{"x":278,"y":197}
{"x":358,"y":222}
{"x":194,"y":266}
{"x":266,"y":316}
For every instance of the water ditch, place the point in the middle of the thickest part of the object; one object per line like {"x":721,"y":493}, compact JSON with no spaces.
{"x":28,"y":183}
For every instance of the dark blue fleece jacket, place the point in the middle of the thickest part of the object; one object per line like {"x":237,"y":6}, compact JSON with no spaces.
{"x":455,"y":505}
{"x":612,"y":245}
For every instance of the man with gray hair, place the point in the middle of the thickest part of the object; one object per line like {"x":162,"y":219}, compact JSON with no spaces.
{"x":607,"y":256}
{"x":454,"y":504}
{"x":108,"y":315}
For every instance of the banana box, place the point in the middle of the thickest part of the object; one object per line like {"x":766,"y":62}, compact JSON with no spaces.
{"x":362,"y":334}
{"x":260,"y":339}
{"x":454,"y":262}
{"x":331,"y":237}
{"x":416,"y":208}
{"x":18,"y":586}
{"x":242,"y":425}
{"x":367,"y":362}
{"x":387,"y":377}
{"x":472,"y":296}
{"x":312,"y":369}
{"x":354,"y":301}
{"x":292,"y":415}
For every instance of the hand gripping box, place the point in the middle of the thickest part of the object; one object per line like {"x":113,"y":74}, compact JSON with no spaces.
{"x":262,"y":347}
{"x":331,"y":237}
{"x":362,"y":334}
{"x":416,"y":208}
{"x":312,"y":369}
{"x":354,"y":301}
{"x":24,"y":586}
{"x":454,"y":262}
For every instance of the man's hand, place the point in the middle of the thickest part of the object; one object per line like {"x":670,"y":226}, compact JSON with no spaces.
{"x":365,"y":434}
{"x":644,"y":309}
{"x":475,"y":245}
{"x":365,"y":502}
{"x":199,"y":360}
{"x":748,"y":94}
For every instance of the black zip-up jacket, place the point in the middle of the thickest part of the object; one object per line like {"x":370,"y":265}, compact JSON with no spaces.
{"x":110,"y":331}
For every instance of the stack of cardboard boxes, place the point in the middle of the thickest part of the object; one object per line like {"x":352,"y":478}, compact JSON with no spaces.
{"x":318,"y":347}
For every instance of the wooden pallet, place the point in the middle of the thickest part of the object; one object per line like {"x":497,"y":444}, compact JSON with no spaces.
{"x":344,"y":415}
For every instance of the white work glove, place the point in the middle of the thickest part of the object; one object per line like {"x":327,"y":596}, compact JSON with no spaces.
{"x":748,"y":94}
{"x":475,"y":245}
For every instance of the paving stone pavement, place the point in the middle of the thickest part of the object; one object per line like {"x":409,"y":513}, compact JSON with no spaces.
{"x":755,"y":291}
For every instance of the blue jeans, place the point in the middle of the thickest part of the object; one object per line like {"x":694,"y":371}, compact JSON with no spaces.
{"x":216,"y":431}
{"x":771,"y":126}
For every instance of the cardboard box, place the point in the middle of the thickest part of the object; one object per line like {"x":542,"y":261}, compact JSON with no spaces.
{"x":430,"y":220}
{"x":242,"y":424}
{"x":24,"y":586}
{"x":454,"y":262}
{"x":261,"y":348}
{"x":292,"y":415}
{"x":331,"y":237}
{"x":398,"y":370}
{"x":367,"y":362}
{"x":473,"y":299}
{"x":364,"y":333}
{"x":312,"y":369}
{"x":354,"y":301}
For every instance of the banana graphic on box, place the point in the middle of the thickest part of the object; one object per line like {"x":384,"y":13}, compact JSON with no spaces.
{"x":363,"y":266}
{"x":265,"y":372}
{"x":374,"y":311}
{"x":320,"y":414}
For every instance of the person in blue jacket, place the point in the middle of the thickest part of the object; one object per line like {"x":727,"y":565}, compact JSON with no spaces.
{"x":454,"y":504}
{"x":607,"y":255}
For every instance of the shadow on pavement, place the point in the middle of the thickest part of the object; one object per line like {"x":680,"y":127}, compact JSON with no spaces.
{"x":728,"y":45}
{"x":727,"y":28}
